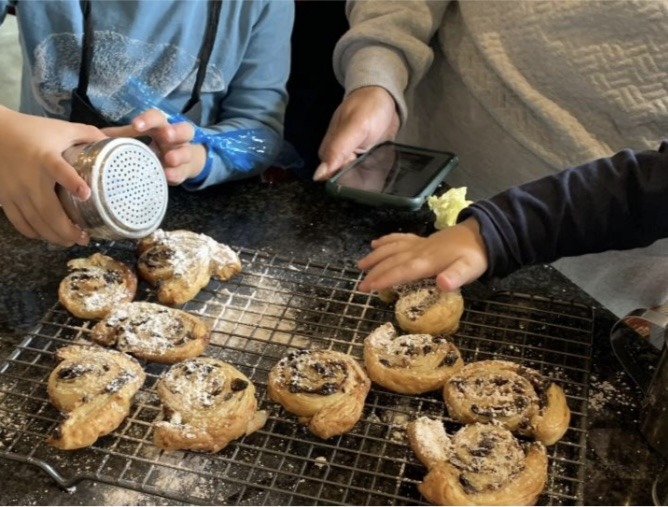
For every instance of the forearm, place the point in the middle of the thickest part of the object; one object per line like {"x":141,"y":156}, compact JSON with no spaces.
{"x":248,"y":133}
{"x":609,"y":204}
{"x":387,"y":45}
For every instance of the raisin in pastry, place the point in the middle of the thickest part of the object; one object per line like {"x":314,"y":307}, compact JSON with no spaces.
{"x":520,"y":398}
{"x":95,"y":285}
{"x":422,"y":308}
{"x":324,"y":388}
{"x":409,"y":363}
{"x":93,"y":388}
{"x":180,"y":263}
{"x":207,"y":403}
{"x":481,"y":464}
{"x":153,"y":332}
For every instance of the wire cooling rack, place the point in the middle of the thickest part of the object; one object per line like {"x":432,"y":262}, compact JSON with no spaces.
{"x":277,"y":304}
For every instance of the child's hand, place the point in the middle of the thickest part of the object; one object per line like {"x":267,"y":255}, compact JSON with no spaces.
{"x":180,"y":158}
{"x":31,"y":164}
{"x":455,"y":256}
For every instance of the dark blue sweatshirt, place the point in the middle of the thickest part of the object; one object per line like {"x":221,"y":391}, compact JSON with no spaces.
{"x":613,"y":203}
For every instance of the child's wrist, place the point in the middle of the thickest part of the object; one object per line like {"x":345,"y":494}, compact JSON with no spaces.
{"x":206,"y":168}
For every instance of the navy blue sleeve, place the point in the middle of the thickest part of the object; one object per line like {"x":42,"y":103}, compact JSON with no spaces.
{"x":614,"y":203}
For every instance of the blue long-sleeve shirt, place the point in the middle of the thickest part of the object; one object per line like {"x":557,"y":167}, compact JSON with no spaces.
{"x":157,"y":42}
{"x":613,"y":203}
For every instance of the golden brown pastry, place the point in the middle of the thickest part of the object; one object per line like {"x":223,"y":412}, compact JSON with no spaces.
{"x":519,"y":398}
{"x":481,"y":464}
{"x":95,"y":285}
{"x":180,"y":263}
{"x":324,"y":388}
{"x":153,"y":332}
{"x":422,"y":308}
{"x":207,"y":403}
{"x":93,"y":388}
{"x":409,"y":363}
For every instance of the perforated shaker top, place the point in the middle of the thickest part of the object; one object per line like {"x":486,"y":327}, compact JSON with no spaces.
{"x":132,"y":189}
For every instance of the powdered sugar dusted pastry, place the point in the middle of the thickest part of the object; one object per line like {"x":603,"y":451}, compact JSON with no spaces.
{"x":481,"y":464}
{"x":520,"y":398}
{"x":93,"y":388}
{"x":153,"y":332}
{"x":409,"y":363}
{"x":95,"y":285}
{"x":325,"y":388}
{"x":180,"y":263}
{"x":207,"y":403}
{"x":421,"y":307}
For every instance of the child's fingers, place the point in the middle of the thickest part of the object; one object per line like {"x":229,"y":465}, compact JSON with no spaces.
{"x":177,"y":156}
{"x":397,"y":269}
{"x":151,"y":119}
{"x":393,"y":238}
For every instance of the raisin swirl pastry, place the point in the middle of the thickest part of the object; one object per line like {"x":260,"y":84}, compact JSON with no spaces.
{"x":422,"y":308}
{"x":409,"y":363}
{"x":180,"y":263}
{"x":207,"y":403}
{"x":481,"y":464}
{"x":153,"y":332}
{"x":520,"y":398}
{"x":95,"y":285}
{"x":324,"y":388}
{"x":93,"y":388}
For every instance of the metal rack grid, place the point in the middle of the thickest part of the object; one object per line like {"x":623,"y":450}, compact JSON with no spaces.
{"x":276,"y":304}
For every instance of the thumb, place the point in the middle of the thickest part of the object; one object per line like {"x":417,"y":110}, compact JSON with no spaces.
{"x":455,"y":275}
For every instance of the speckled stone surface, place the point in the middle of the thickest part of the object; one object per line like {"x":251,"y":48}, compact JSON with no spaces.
{"x":299,"y":219}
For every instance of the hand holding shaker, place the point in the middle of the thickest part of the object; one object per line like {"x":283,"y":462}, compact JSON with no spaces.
{"x":129,"y":190}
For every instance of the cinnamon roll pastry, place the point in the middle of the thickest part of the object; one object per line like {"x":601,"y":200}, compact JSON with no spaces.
{"x":519,"y":398}
{"x":422,"y":308}
{"x":153,"y":332}
{"x":93,"y":388}
{"x":481,"y":464}
{"x":180,"y":263}
{"x":324,"y":388}
{"x":95,"y":285}
{"x":409,"y":363}
{"x":207,"y":403}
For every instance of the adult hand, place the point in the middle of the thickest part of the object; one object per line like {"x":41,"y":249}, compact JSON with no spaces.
{"x":180,"y":158}
{"x":366,"y":117}
{"x":31,"y":165}
{"x":455,"y":256}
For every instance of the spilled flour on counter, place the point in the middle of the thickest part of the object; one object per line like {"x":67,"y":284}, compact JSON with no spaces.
{"x":616,"y":395}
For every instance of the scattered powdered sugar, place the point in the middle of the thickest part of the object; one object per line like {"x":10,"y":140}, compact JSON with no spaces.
{"x":604,"y":395}
{"x":196,"y":382}
{"x":148,"y":327}
{"x":430,"y":438}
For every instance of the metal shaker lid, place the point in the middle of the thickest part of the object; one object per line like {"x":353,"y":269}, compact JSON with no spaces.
{"x":128,"y":186}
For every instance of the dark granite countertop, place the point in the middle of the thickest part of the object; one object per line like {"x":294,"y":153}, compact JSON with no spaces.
{"x":298,"y":219}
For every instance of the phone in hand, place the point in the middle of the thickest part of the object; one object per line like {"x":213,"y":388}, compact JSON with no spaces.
{"x":394,"y":175}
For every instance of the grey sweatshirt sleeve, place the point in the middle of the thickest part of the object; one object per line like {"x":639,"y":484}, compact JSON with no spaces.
{"x":613,"y":203}
{"x":387,"y":45}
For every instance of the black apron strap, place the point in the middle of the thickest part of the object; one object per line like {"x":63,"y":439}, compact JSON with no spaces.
{"x":213,"y":17}
{"x":86,"y":49}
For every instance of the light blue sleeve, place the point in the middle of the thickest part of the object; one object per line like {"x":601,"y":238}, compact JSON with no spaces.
{"x":257,"y":97}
